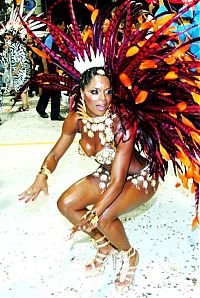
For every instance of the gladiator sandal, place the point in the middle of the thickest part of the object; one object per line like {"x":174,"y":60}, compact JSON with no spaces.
{"x":125,"y":277}
{"x":97,"y":266}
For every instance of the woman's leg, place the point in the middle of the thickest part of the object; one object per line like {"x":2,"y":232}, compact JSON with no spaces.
{"x":74,"y":201}
{"x":113,"y":229}
{"x":129,"y":199}
{"x":24,"y":97}
{"x":72,"y":204}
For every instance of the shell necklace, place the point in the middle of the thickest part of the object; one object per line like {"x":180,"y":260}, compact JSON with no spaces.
{"x":102,"y":124}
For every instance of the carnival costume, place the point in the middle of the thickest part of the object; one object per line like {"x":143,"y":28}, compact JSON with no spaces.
{"x":155,"y":79}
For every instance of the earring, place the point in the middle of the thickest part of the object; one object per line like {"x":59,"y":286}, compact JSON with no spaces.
{"x":83,"y":104}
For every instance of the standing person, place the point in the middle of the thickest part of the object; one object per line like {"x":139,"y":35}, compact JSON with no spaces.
{"x":131,"y":122}
{"x":49,"y":68}
{"x":20,"y":67}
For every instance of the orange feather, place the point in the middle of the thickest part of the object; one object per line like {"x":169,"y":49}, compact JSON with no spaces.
{"x":163,"y":20}
{"x":141,"y":43}
{"x":190,"y":82}
{"x":94,"y":15}
{"x":196,"y":97}
{"x":196,"y":176}
{"x":170,"y":60}
{"x":125,"y":80}
{"x":179,"y":134}
{"x":171,"y":75}
{"x":195,"y":136}
{"x":193,"y":188}
{"x":184,"y":180}
{"x":132,"y":51}
{"x":147,"y":64}
{"x":181,"y":106}
{"x":38,"y":52}
{"x":174,"y":115}
{"x":146,"y":25}
{"x":183,"y":157}
{"x":89,"y":7}
{"x":141,"y":97}
{"x":187,"y":122}
{"x":179,"y":53}
{"x":195,"y":222}
{"x":190,"y":171}
{"x":164,"y":153}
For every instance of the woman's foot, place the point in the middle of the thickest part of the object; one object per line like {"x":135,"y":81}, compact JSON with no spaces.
{"x":104,"y":251}
{"x":23,"y":109}
{"x":125,"y":277}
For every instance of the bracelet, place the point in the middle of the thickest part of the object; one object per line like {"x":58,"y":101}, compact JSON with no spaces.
{"x":94,"y":220}
{"x":45,"y":171}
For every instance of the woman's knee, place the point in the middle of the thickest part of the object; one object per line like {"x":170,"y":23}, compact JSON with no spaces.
{"x":104,"y":221}
{"x":64,"y":204}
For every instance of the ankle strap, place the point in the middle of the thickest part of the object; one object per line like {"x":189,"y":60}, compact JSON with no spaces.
{"x":98,"y":241}
{"x":128,"y":253}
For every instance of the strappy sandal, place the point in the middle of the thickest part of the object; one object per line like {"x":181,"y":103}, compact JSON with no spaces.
{"x":125,"y":277}
{"x":97,"y":266}
{"x":22,"y":109}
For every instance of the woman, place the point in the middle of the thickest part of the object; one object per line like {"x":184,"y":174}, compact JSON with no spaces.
{"x":121,"y":183}
{"x":135,"y":104}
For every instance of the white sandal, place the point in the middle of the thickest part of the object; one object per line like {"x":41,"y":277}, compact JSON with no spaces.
{"x":97,"y":266}
{"x":125,"y":277}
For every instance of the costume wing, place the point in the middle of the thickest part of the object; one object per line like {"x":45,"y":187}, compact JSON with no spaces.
{"x":156,"y":81}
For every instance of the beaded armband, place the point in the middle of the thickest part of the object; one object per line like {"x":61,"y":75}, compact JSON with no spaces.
{"x":45,"y":171}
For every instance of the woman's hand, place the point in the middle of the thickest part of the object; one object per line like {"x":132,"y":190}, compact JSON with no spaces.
{"x":31,"y":194}
{"x":89,"y":222}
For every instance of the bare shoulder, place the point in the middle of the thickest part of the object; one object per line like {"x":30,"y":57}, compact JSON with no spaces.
{"x":122,"y":130}
{"x":70,"y":124}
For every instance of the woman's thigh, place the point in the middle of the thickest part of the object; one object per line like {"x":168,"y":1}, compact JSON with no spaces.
{"x":83,"y":193}
{"x":129,"y":199}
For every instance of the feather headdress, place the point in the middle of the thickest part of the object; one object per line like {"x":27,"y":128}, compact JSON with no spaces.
{"x":156,"y":81}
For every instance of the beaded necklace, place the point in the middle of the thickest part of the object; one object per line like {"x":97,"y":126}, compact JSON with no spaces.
{"x":102,"y":124}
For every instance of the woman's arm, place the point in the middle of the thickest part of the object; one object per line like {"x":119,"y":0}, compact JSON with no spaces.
{"x":69,"y":130}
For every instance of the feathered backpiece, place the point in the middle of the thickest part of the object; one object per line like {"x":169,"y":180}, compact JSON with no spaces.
{"x":156,"y":81}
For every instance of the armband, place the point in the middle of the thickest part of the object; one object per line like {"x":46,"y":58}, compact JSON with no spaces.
{"x":45,"y":171}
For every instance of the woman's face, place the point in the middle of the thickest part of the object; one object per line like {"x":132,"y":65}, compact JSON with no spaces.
{"x":97,"y":95}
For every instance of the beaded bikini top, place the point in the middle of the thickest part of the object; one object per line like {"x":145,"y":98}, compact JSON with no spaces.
{"x":105,"y":156}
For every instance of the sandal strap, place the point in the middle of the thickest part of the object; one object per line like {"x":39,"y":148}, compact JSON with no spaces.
{"x":99,"y":240}
{"x":126,"y":272}
{"x":103,"y":244}
{"x":98,"y":243}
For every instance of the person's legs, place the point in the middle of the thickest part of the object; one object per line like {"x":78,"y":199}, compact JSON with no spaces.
{"x":24,"y":97}
{"x":72,"y":204}
{"x":55,"y":104}
{"x":110,"y":226}
{"x":43,"y":102}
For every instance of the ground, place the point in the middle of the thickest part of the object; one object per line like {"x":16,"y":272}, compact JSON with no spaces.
{"x":37,"y":260}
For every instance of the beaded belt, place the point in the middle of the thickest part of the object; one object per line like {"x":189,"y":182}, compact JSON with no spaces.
{"x":142,"y":179}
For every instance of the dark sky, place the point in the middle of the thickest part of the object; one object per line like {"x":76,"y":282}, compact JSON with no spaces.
{"x":82,"y":13}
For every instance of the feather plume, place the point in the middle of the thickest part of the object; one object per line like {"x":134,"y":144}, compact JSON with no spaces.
{"x":155,"y":78}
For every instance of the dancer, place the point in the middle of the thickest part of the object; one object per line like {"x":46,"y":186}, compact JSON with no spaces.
{"x":136,"y":107}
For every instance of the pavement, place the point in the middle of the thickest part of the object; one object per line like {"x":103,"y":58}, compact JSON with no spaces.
{"x":37,"y":260}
